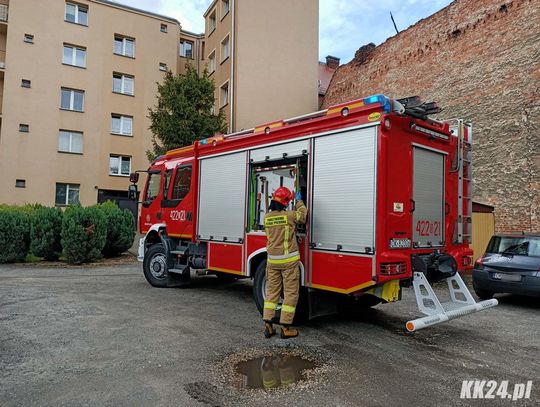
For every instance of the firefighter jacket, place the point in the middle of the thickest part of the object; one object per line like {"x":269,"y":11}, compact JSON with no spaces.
{"x":280,"y":228}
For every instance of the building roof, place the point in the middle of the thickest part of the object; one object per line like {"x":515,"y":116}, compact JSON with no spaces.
{"x":325,"y":76}
{"x":138,"y":10}
{"x":210,"y":7}
{"x":192,"y":34}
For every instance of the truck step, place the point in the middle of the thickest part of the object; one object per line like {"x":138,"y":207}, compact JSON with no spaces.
{"x":461,"y":302}
{"x":179,"y":277}
{"x":182,"y":270}
{"x":179,"y":251}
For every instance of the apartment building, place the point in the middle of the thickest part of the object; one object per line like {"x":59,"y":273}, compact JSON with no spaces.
{"x":191,"y":51}
{"x":76,"y":80}
{"x":263,"y":57}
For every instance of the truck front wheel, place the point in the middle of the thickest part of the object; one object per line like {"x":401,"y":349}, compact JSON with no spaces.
{"x":155,"y":266}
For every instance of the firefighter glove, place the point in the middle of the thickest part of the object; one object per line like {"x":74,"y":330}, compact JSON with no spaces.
{"x":298,"y":196}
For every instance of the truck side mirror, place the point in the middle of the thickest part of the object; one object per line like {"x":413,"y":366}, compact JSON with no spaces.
{"x":134,"y":177}
{"x":133,"y":191}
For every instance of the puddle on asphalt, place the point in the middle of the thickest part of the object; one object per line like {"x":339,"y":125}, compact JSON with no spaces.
{"x":270,"y":372}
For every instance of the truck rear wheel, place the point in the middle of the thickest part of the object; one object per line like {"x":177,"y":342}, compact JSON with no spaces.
{"x":259,"y":294}
{"x":155,"y":266}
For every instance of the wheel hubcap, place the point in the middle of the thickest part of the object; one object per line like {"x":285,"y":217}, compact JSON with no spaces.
{"x":158,"y":267}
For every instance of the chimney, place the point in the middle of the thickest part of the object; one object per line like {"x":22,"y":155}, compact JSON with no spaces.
{"x":332,"y":62}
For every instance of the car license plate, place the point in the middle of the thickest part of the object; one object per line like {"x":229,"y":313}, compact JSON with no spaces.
{"x":507,"y":277}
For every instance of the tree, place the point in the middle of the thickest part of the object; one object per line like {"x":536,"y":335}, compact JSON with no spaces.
{"x":184,"y":111}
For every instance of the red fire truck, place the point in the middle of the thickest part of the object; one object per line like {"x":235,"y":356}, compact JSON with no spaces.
{"x":388,"y":191}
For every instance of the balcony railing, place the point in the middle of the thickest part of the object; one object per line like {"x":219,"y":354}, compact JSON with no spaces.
{"x":4,"y":12}
{"x":2,"y":60}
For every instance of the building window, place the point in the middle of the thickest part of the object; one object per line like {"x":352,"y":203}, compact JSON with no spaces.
{"x":122,"y":125}
{"x":225,"y":49}
{"x":77,"y":13}
{"x":124,"y":46}
{"x":163,"y":28}
{"x":119,"y":165}
{"x":26,"y":83}
{"x":70,"y":142}
{"x":225,"y":7}
{"x":212,"y":22}
{"x":123,"y":84}
{"x":20,"y":183}
{"x":67,"y":194}
{"x":75,"y":56}
{"x":29,"y":38}
{"x":163,"y":67}
{"x":212,"y":61}
{"x":224,"y":94}
{"x":24,"y":128}
{"x":186,"y":49}
{"x":72,"y":99}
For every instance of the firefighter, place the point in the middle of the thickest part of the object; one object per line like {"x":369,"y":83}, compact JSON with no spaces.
{"x":282,"y":270}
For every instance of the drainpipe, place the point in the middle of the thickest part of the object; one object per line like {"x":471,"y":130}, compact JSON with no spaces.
{"x":231,"y":81}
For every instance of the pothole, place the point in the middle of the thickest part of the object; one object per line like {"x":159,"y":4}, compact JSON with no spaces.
{"x":272,"y":371}
{"x":263,"y":372}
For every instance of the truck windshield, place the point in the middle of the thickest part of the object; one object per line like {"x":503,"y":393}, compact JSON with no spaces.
{"x":523,"y":246}
{"x":152,"y":188}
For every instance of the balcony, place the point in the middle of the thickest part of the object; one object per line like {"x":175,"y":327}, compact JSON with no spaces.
{"x":4,"y":13}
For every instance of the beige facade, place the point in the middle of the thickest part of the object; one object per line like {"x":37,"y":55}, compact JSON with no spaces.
{"x":35,"y":34}
{"x":77,"y":79}
{"x":265,"y":55}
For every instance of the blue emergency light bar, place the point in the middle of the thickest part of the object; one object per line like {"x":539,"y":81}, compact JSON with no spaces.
{"x":379,"y":98}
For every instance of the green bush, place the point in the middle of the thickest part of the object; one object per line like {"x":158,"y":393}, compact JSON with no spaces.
{"x":46,"y":227}
{"x":120,"y":229}
{"x":14,"y":235}
{"x":84,"y":231}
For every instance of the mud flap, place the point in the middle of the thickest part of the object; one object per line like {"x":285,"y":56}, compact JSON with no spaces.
{"x":321,"y":303}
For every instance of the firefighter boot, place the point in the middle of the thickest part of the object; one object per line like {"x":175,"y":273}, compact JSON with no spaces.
{"x":288,"y":332}
{"x":269,"y":330}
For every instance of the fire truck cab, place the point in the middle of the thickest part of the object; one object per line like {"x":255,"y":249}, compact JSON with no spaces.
{"x":389,"y":194}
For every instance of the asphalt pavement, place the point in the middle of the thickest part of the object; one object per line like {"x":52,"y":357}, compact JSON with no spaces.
{"x":105,"y":337}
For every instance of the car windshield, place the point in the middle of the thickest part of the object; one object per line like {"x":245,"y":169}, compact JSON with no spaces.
{"x":523,"y":246}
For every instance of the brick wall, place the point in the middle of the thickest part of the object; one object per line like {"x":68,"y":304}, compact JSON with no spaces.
{"x":480,"y":59}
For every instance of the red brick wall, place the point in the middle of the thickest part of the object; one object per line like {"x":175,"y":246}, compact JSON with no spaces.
{"x":480,"y":59}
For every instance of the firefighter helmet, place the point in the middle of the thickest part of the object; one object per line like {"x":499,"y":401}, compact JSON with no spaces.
{"x":283,"y":196}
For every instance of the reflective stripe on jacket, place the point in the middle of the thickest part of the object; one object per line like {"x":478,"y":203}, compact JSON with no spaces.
{"x":280,"y":231}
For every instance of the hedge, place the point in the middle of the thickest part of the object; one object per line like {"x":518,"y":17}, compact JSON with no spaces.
{"x":120,"y":229}
{"x":84,"y":232}
{"x":45,"y":233}
{"x":14,"y":235}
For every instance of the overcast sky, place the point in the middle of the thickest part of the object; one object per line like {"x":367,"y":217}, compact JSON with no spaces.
{"x":345,"y":25}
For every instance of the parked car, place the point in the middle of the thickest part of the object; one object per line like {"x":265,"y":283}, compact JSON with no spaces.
{"x":511,"y":264}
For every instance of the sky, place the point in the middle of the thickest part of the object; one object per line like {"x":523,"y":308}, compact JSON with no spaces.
{"x":344,"y":25}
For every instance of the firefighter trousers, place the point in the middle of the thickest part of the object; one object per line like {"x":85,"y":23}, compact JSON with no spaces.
{"x":282,"y":276}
